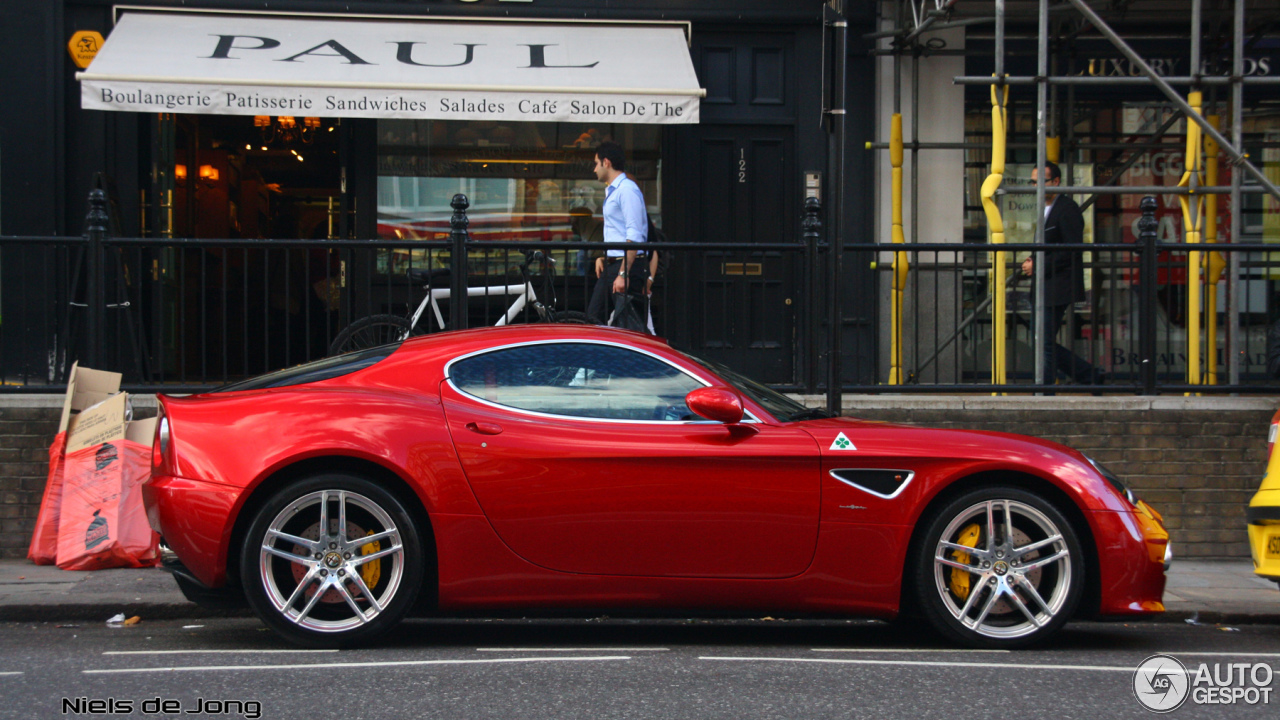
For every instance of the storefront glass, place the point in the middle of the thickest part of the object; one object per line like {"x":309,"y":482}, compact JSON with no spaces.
{"x":525,"y":182}
{"x":1106,"y":323}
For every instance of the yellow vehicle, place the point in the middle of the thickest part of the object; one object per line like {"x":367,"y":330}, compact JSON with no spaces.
{"x":1264,"y":513}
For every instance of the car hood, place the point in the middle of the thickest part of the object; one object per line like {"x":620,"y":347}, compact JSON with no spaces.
{"x":844,"y":437}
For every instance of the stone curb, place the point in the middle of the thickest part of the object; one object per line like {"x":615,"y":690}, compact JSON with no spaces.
{"x":52,"y":401}
{"x":1211,"y":617}
{"x":1115,"y":403}
{"x":185,"y":610}
{"x":99,"y":612}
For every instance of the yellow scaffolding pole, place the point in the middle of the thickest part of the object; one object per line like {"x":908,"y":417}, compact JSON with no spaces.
{"x":1053,"y":149}
{"x":1192,"y":217}
{"x":900,"y":263}
{"x":1000,"y":270}
{"x":1215,"y":263}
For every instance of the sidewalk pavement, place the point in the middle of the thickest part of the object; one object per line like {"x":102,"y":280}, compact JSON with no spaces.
{"x":1206,"y":591}
{"x":30,"y":593}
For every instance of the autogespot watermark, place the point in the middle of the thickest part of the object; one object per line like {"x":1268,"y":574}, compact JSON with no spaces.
{"x":1163,"y":684}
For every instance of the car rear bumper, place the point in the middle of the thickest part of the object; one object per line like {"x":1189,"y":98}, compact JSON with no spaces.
{"x":222,"y":598}
{"x":194,"y":518}
{"x":1263,"y":516}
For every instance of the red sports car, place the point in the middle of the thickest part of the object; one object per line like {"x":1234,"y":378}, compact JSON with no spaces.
{"x":552,"y":467}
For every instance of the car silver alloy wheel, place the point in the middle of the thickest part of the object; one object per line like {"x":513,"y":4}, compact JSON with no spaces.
{"x":331,"y":540}
{"x":1003,"y":569}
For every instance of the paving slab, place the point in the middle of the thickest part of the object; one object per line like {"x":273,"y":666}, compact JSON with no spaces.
{"x":1204,"y":591}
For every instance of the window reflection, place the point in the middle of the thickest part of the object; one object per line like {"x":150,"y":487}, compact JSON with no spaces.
{"x":525,"y":182}
{"x":578,"y":380}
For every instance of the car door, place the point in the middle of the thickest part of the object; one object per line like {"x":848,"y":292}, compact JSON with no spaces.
{"x":585,"y":459}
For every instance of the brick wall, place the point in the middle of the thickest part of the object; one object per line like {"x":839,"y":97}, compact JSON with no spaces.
{"x":28,"y":424}
{"x":25,"y":435}
{"x":1196,"y":460}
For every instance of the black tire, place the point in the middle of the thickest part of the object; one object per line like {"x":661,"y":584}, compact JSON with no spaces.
{"x":308,"y":586}
{"x":572,"y":317}
{"x":370,"y":332}
{"x":1015,"y":593}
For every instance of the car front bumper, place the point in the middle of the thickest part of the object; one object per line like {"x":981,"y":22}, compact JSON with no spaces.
{"x":1263,"y":516}
{"x":1134,"y":553}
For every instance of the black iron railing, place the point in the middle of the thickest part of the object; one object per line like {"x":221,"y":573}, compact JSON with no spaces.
{"x":183,"y":315}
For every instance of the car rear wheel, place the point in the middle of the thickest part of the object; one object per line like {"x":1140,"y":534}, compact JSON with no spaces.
{"x":332,"y":560}
{"x":999,"y":568}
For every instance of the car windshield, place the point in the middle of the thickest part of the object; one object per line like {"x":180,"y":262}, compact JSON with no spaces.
{"x":780,"y":406}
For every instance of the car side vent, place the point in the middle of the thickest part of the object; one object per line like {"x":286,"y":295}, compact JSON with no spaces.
{"x":885,"y":483}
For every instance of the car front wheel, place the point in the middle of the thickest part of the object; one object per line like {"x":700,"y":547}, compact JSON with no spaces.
{"x":999,"y":568}
{"x":331,"y":561}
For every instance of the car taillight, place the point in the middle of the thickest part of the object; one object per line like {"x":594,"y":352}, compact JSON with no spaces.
{"x":162,"y":448}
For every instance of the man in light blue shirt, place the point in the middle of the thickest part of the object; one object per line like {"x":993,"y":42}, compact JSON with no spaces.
{"x":625,"y":221}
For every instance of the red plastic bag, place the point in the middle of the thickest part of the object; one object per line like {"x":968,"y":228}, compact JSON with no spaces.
{"x":44,"y":541}
{"x":104,"y":523}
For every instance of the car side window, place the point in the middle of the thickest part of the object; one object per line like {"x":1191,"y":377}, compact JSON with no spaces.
{"x":586,"y":380}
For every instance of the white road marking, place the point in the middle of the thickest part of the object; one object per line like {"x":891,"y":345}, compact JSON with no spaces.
{"x":556,"y":649}
{"x":9,"y":673}
{"x":1016,"y":666}
{"x":193,"y":652}
{"x":1221,"y":654}
{"x":904,"y":650}
{"x":397,"y":663}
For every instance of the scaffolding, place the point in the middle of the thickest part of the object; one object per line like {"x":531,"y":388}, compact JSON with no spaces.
{"x":1058,"y":26}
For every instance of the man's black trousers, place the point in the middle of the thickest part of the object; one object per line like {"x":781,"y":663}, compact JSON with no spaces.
{"x":602,"y":296}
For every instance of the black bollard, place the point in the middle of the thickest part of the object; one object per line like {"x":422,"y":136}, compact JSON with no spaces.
{"x":458,"y":272}
{"x":96,"y":222}
{"x":811,"y":234}
{"x":1147,"y":278}
{"x":811,"y":226}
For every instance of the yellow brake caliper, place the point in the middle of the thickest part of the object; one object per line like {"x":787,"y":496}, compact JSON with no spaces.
{"x":959,"y":578}
{"x":371,"y":571}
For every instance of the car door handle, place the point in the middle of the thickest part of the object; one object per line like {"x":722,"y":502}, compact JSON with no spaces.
{"x":484,"y":428}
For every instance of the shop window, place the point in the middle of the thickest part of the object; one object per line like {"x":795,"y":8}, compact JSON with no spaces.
{"x":525,"y":182}
{"x":1261,"y":212}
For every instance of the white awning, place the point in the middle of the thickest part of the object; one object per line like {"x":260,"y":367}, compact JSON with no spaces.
{"x":452,"y":70}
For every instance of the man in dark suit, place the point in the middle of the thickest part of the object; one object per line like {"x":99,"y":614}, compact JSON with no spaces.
{"x":1063,"y":280}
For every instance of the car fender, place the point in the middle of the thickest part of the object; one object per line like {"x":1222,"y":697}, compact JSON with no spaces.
{"x":244,"y":439}
{"x":936,"y":459}
{"x":241,"y":441}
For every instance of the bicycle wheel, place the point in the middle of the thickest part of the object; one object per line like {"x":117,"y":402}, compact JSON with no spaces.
{"x":370,"y":332}
{"x":572,"y":317}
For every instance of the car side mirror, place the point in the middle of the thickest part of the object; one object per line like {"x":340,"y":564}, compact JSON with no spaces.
{"x":717,"y":403}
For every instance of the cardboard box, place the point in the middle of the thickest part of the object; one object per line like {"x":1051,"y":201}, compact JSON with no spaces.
{"x":142,"y":432}
{"x":96,"y":412}
{"x":101,"y":519}
{"x":86,"y":387}
{"x":101,"y":423}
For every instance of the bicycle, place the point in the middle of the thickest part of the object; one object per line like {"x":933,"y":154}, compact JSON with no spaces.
{"x":383,"y":329}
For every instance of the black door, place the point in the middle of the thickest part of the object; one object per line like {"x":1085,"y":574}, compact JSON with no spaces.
{"x":741,"y":189}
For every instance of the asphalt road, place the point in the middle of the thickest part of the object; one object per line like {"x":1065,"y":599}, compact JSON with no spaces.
{"x":603,"y":668}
